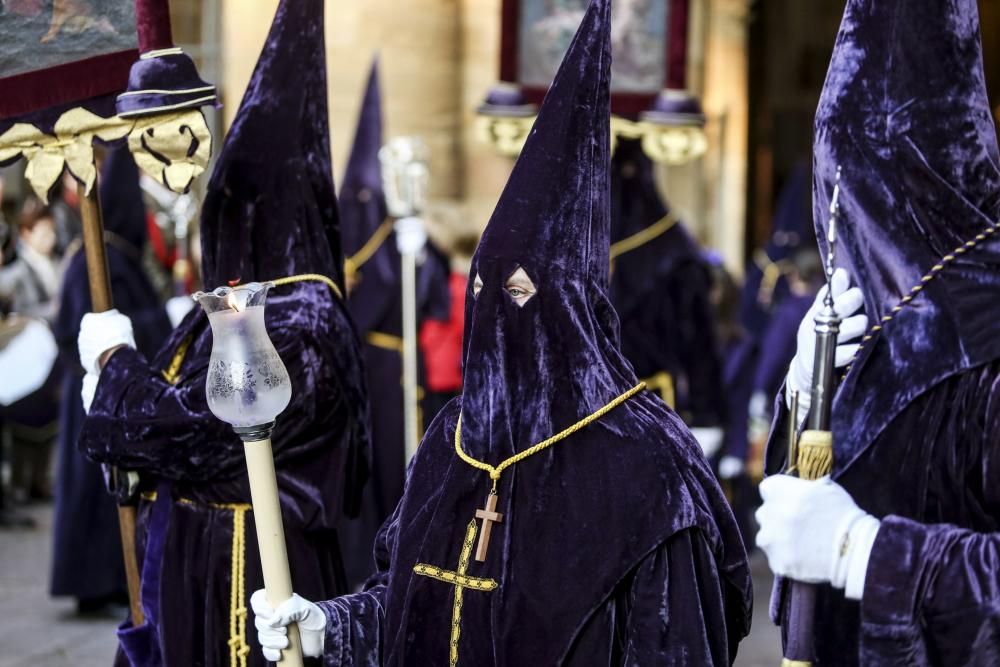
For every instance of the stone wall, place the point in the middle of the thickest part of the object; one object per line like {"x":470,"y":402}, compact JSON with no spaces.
{"x":439,"y":57}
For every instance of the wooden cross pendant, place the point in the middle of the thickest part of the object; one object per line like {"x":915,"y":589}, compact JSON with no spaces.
{"x":489,"y":516}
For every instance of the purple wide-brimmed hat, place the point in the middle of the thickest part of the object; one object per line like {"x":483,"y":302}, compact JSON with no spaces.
{"x":164,"y":78}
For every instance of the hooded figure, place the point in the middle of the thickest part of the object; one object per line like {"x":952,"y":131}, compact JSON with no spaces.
{"x":87,"y":562}
{"x":660,"y":286}
{"x":915,"y":505}
{"x":270,"y":213}
{"x":608,"y":544}
{"x":375,"y":300}
{"x":765,"y":318}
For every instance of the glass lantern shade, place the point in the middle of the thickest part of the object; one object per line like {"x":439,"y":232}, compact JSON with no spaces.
{"x":405,"y":175}
{"x":247,"y":386}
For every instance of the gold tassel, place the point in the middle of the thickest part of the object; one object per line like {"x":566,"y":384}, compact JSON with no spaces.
{"x":815,"y":454}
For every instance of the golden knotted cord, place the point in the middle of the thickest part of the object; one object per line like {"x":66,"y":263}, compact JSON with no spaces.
{"x":496,"y":471}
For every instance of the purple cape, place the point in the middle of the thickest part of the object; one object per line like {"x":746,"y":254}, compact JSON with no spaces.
{"x":270,"y":212}
{"x":904,"y":114}
{"x":617,"y":545}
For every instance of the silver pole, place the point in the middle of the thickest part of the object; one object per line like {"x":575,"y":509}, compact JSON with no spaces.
{"x":410,"y":391}
{"x":405,"y":175}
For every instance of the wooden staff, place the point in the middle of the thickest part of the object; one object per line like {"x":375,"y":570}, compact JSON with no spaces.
{"x":101,"y":300}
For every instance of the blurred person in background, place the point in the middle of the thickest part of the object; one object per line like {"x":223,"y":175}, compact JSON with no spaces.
{"x":10,"y":517}
{"x":661,"y":287}
{"x":30,"y":285}
{"x":87,"y":560}
{"x":374,"y":277}
{"x":65,"y":208}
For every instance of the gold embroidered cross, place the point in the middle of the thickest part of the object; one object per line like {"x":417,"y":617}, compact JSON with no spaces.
{"x":460,"y":580}
{"x":489,"y":515}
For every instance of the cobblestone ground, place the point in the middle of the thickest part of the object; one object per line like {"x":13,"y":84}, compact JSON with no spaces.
{"x":35,"y":629}
{"x":39,"y":631}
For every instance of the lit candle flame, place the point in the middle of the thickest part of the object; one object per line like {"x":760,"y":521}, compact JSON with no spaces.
{"x":233,"y":302}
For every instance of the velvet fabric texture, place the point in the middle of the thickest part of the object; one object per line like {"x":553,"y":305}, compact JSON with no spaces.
{"x":617,"y":546}
{"x":930,"y":596}
{"x":278,"y":167}
{"x":904,"y":115}
{"x":661,"y":291}
{"x":269,"y":212}
{"x":164,"y":82}
{"x":908,"y":121}
{"x":66,"y":86}
{"x":375,"y":302}
{"x":161,"y":82}
{"x":87,"y":561}
{"x":152,"y":22}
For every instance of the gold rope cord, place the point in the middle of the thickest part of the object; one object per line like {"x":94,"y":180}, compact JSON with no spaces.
{"x":916,"y":289}
{"x":354,"y":263}
{"x":238,"y":647}
{"x":771,"y":271}
{"x":643,"y":236}
{"x":384,"y":341}
{"x":172,"y":373}
{"x":662,"y":383}
{"x":496,"y":471}
{"x":307,"y":277}
{"x":460,"y":580}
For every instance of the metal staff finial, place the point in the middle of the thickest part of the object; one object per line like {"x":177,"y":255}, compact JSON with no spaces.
{"x":831,"y":239}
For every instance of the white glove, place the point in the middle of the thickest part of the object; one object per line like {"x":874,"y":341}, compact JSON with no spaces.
{"x":88,"y":390}
{"x":730,"y":467}
{"x":177,"y":307}
{"x":846,"y":302}
{"x":815,"y":533}
{"x":410,"y":235}
{"x":99,"y":332}
{"x":710,"y":439}
{"x":272,"y":632}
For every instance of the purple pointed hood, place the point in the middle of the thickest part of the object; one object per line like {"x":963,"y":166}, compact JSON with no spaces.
{"x":271,"y":210}
{"x":904,"y":114}
{"x":362,"y":198}
{"x":532,"y":370}
{"x":370,"y":255}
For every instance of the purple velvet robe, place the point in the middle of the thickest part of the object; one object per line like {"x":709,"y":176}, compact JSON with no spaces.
{"x":270,"y":212}
{"x":905,"y":120}
{"x":931,"y":592}
{"x":609,"y":585}
{"x":141,"y":421}
{"x":616,"y":546}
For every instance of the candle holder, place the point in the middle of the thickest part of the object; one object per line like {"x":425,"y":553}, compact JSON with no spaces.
{"x":248,"y":387}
